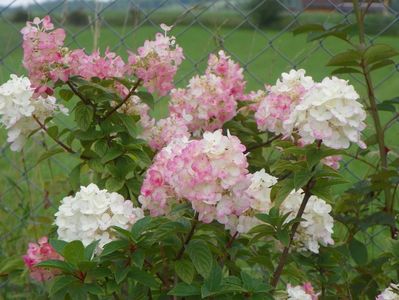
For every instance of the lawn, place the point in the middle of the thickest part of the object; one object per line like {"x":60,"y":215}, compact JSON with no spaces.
{"x":28,"y":197}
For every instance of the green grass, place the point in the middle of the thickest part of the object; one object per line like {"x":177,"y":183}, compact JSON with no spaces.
{"x":264,"y":55}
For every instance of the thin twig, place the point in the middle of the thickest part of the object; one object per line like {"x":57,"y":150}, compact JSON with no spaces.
{"x":42,"y":126}
{"x":267,"y":143}
{"x":77,"y":93}
{"x":391,"y":121}
{"x":131,"y":92}
{"x":283,"y":258}
{"x":188,"y":237}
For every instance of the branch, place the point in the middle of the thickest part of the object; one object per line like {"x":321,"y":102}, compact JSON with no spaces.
{"x":77,"y":93}
{"x":131,"y":92}
{"x":42,"y":126}
{"x":267,"y":143}
{"x":284,"y":255}
{"x":188,"y":237}
{"x":375,"y":115}
{"x":229,"y":244}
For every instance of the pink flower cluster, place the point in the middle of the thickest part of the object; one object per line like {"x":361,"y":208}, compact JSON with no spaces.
{"x":94,"y":65}
{"x":156,"y":62}
{"x":208,"y":173}
{"x":38,"y":253}
{"x":276,"y":107}
{"x":210,"y":100}
{"x":47,"y":60}
{"x":44,"y":55}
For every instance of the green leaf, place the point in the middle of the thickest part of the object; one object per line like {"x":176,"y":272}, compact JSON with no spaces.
{"x":130,"y":124}
{"x":114,"y":184}
{"x":345,"y":70}
{"x":121,"y":274}
{"x":60,"y":283}
{"x":83,"y":116}
{"x":347,"y":58}
{"x":184,"y":290}
{"x":301,"y":178}
{"x":114,"y":246}
{"x":281,"y":190}
{"x":201,"y":256}
{"x":185,"y":270}
{"x":74,"y":177}
{"x":379,"y":52}
{"x":74,"y":252}
{"x":12,"y":264}
{"x":49,"y":154}
{"x":56,"y":264}
{"x":112,"y":153}
{"x":381,"y":64}
{"x":358,"y":252}
{"x":58,"y":245}
{"x":143,"y":277}
{"x":214,"y":280}
{"x":90,"y":249}
{"x":283,"y":236}
{"x":146,"y":98}
{"x":140,"y":226}
{"x":308,"y":28}
{"x":66,"y":94}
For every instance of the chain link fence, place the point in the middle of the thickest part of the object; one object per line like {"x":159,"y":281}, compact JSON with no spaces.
{"x":30,"y":193}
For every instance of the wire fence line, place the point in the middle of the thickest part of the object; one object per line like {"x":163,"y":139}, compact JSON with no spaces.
{"x":27,"y":190}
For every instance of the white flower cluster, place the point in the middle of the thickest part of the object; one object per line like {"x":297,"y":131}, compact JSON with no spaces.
{"x":301,"y":292}
{"x":258,"y":196}
{"x":90,"y":215}
{"x":317,"y":226}
{"x":390,"y":293}
{"x":327,"y":111}
{"x":330,"y":112}
{"x":17,"y":108}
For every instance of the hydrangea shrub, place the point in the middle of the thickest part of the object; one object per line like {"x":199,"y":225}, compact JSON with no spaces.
{"x":231,"y":196}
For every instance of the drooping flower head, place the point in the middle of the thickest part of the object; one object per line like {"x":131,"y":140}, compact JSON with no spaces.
{"x":37,"y":253}
{"x":90,"y":214}
{"x":156,"y":63}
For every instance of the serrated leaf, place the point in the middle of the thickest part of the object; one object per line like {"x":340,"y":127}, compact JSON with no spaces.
{"x":185,"y":270}
{"x":201,"y":256}
{"x":143,"y":277}
{"x":90,"y":249}
{"x":83,"y":116}
{"x":74,"y":177}
{"x":281,"y":190}
{"x":58,"y":245}
{"x":214,"y":280}
{"x":184,"y":290}
{"x":112,"y":153}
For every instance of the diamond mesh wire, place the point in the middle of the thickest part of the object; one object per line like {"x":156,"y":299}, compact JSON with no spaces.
{"x":29,"y":193}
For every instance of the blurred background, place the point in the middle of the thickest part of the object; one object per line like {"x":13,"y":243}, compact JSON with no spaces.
{"x":256,"y":33}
